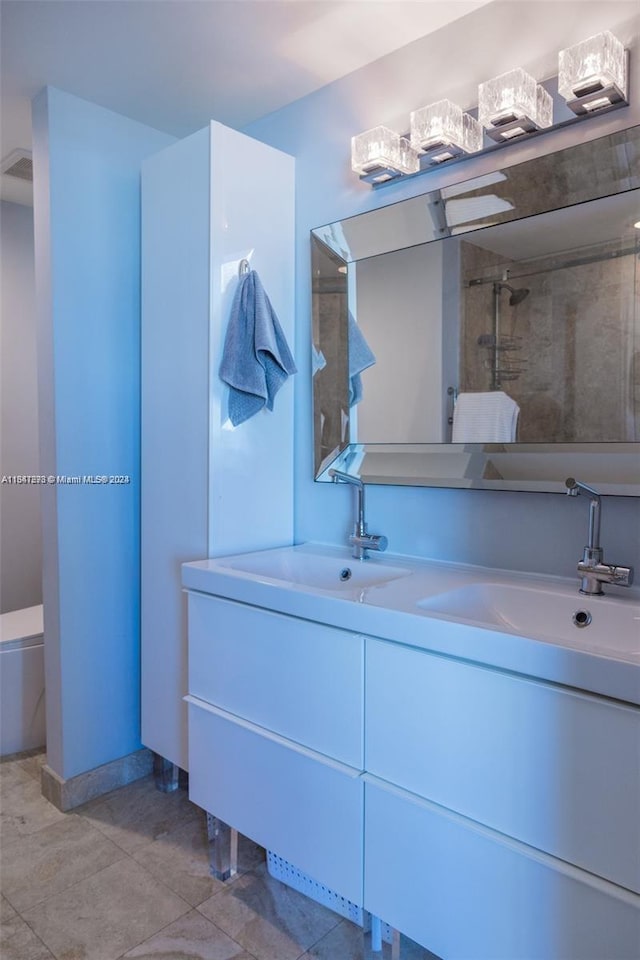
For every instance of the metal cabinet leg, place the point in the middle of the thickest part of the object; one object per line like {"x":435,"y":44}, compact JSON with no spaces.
{"x":376,"y":935}
{"x":223,"y":848}
{"x":373,"y":946}
{"x":395,"y":944}
{"x":165,"y":774}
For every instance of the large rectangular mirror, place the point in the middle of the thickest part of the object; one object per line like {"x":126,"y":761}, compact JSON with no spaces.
{"x":487,"y":335}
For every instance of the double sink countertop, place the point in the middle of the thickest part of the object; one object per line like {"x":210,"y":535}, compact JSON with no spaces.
{"x":537,"y":626}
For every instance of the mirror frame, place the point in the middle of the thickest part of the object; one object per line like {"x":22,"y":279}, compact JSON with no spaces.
{"x":613,"y":467}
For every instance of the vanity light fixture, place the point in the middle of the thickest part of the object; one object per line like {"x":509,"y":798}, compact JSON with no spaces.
{"x":513,"y":105}
{"x":592,"y":75}
{"x":381,"y":154}
{"x":442,"y":131}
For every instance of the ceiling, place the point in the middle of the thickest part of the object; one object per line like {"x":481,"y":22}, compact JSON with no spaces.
{"x":175,"y":64}
{"x":571,"y":228}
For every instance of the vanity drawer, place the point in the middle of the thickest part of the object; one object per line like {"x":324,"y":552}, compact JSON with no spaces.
{"x":300,"y":679}
{"x":465,"y":892}
{"x":306,"y":808}
{"x":550,"y":766}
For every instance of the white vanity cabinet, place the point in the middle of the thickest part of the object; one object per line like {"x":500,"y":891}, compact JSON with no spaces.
{"x":501,"y":812}
{"x":556,"y":768}
{"x":485,"y":813}
{"x":276,"y":734}
{"x":299,"y":679}
{"x":468,"y":893}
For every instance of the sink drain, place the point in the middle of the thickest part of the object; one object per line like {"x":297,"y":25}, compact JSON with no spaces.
{"x":582,"y":618}
{"x":345,"y":574}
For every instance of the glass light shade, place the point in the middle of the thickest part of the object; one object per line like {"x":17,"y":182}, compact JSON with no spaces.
{"x":593,"y":72}
{"x":444,"y":131}
{"x":513,"y":104}
{"x":380,"y":154}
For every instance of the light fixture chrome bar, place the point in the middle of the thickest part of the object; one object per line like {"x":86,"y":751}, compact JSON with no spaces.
{"x":502,"y":145}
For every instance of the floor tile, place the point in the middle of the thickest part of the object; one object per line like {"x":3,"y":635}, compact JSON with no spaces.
{"x":181,"y":860}
{"x":12,"y":774}
{"x":33,"y":762}
{"x":19,"y":942}
{"x":269,"y":919}
{"x":103,"y":917}
{"x":191,"y":937}
{"x":37,"y":866}
{"x":138,"y":813}
{"x":24,"y":810}
{"x":7,"y":912}
{"x":346,"y":941}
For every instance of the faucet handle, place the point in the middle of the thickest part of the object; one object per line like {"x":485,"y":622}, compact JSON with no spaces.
{"x":572,"y":487}
{"x":621,"y":576}
{"x":377,"y":542}
{"x":369,"y":541}
{"x":337,"y":475}
{"x":575,"y":486}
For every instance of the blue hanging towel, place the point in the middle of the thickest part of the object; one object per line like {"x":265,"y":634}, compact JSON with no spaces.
{"x":256,"y":360}
{"x":361,"y":356}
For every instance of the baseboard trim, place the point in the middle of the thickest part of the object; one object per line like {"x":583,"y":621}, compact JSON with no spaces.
{"x":74,"y":791}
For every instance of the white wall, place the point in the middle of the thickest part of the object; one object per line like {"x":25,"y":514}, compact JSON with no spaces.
{"x":543,"y":532}
{"x":20,"y":536}
{"x":399,"y":297}
{"x":87,"y":228}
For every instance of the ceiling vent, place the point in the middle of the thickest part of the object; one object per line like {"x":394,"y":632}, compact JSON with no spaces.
{"x":19,"y":165}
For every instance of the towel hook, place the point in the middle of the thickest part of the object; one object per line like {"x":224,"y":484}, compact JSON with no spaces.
{"x":244,"y":268}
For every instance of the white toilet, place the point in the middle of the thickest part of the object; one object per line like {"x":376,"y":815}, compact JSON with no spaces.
{"x":22,"y":713}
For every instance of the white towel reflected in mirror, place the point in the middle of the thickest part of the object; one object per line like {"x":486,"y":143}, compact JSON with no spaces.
{"x":490,"y":417}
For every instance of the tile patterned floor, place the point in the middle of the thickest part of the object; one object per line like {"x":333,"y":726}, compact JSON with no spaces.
{"x":127,"y":875}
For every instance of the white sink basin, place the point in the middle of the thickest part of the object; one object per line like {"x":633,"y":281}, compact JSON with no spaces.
{"x":318,"y":571}
{"x":609,"y":625}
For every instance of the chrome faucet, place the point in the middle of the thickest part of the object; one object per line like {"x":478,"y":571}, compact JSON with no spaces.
{"x":360,"y":540}
{"x":592,"y":570}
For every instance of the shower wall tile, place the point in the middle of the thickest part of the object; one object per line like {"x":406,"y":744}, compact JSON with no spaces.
{"x":579,"y":329}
